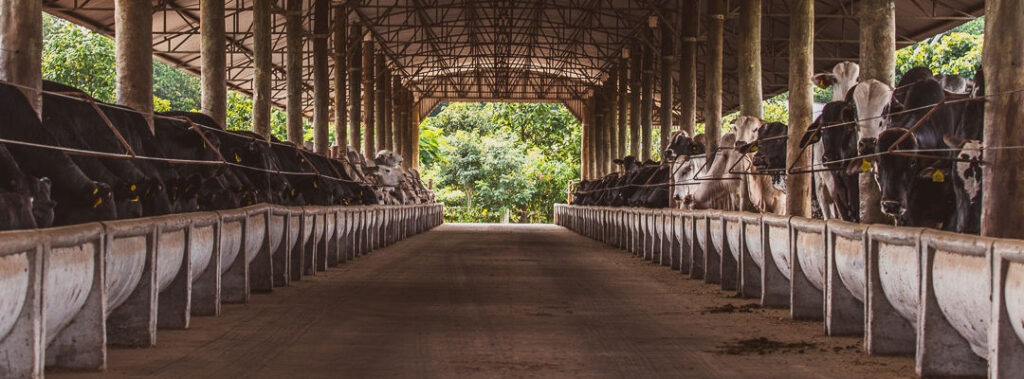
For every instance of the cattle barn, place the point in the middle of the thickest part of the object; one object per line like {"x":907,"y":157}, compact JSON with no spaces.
{"x":876,"y":235}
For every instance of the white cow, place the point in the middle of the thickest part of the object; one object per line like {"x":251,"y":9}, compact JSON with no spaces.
{"x":762,"y":193}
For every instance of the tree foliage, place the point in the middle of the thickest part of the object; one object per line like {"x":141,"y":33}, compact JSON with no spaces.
{"x":491,"y":158}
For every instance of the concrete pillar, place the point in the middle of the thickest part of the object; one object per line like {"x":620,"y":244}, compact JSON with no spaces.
{"x":600,"y":154}
{"x":21,"y":47}
{"x":801,"y":103}
{"x":321,"y":76}
{"x":293,"y":72}
{"x":690,"y":27}
{"x":878,"y":61}
{"x":133,"y":25}
{"x":263,"y":75}
{"x":1004,"y":75}
{"x":415,"y":132}
{"x":341,"y":80}
{"x":396,"y":107}
{"x":369,"y":100}
{"x":636,"y":60}
{"x":668,"y":64}
{"x":213,"y":47}
{"x":713,"y":76}
{"x":749,"y":65}
{"x":613,"y":118}
{"x":381,"y":76}
{"x":585,"y":170}
{"x":622,"y":108}
{"x":647,"y":108}
{"x":355,"y":88}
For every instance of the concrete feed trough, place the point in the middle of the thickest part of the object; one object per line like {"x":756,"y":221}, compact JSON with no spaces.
{"x":20,"y":306}
{"x":257,"y":249}
{"x":72,"y":297}
{"x":956,"y":304}
{"x":131,"y":282}
{"x":807,"y":284}
{"x":893,"y":289}
{"x":699,"y":269}
{"x":234,"y":267}
{"x":174,"y":283}
{"x":751,"y":259}
{"x":775,"y":273}
{"x":204,"y":248}
{"x":846,"y":283}
{"x":1006,"y":330}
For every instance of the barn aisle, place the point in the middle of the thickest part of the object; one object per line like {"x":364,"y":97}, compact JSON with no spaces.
{"x":491,"y":300}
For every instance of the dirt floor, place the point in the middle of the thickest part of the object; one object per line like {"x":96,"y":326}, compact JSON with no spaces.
{"x":499,"y":301}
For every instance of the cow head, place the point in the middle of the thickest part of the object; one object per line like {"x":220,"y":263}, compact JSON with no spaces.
{"x":683,"y":145}
{"x":629,"y":163}
{"x":871,"y":99}
{"x":745,"y":128}
{"x":42,"y":204}
{"x":770,"y":147}
{"x":897,"y":174}
{"x":843,"y":77}
{"x":387,"y":158}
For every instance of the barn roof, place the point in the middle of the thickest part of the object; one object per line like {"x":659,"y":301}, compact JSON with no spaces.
{"x":513,"y":50}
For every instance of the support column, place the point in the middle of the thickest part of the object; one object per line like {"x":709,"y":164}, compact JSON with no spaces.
{"x":369,"y":100}
{"x":396,"y":110}
{"x":585,"y":171}
{"x":389,"y":110}
{"x":612,"y":128}
{"x":355,"y":88}
{"x":749,"y":65}
{"x":647,"y":108}
{"x":213,"y":47}
{"x":878,"y":61}
{"x":668,"y":63}
{"x":801,"y":103}
{"x":636,"y":60}
{"x":713,"y":78}
{"x":1004,"y":75}
{"x":600,"y":154}
{"x":21,"y":47}
{"x":381,"y":117}
{"x":415,"y":133}
{"x":690,"y":26}
{"x":623,"y":107}
{"x":321,"y":76}
{"x":293,"y":71}
{"x":340,"y":81}
{"x":133,"y":26}
{"x":263,"y":75}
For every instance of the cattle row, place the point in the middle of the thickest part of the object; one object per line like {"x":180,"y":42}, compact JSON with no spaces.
{"x":86,"y":161}
{"x":954,"y":301}
{"x":920,"y":142}
{"x":68,"y":292}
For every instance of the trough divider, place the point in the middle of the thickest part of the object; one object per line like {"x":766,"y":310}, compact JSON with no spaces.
{"x":261,"y":270}
{"x":886,"y":331}
{"x":1005,"y":346}
{"x":728,"y":267}
{"x":134,"y":322}
{"x":749,"y":272}
{"x":206,"y":290}
{"x":82,"y":344}
{"x":235,"y":281}
{"x":775,"y":287}
{"x":175,"y":301}
{"x":805,"y":301}
{"x":844,"y":313}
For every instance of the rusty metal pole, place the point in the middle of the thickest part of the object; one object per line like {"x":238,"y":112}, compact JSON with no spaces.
{"x":635,"y":69}
{"x":293,"y":72}
{"x":369,"y":98}
{"x":1004,"y":73}
{"x":668,"y":65}
{"x":381,"y":76}
{"x":647,"y":108}
{"x":340,"y":81}
{"x":749,"y":65}
{"x":690,"y":27}
{"x":21,"y":47}
{"x":321,"y":76}
{"x":355,"y":86}
{"x":213,"y":47}
{"x":263,"y":75}
{"x":878,"y":61}
{"x":133,"y":25}
{"x":713,"y":78}
{"x":622,"y":107}
{"x":801,"y":103}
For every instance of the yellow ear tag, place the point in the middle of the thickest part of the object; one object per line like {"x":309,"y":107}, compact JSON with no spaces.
{"x":95,"y":191}
{"x":753,"y":148}
{"x":238,"y":159}
{"x":99,"y":201}
{"x":865,"y":166}
{"x":132,"y":188}
{"x":938,"y":177}
{"x":135,"y":199}
{"x":315,"y":185}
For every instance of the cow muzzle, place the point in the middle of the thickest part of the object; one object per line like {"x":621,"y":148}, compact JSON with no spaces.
{"x":892,"y":208}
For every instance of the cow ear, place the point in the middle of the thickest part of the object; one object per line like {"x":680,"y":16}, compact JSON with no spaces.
{"x":953,"y":141}
{"x":858,"y":166}
{"x":824,"y":81}
{"x":747,"y":148}
{"x":813,"y":135}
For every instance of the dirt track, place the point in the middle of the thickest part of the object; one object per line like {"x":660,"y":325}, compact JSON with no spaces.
{"x":499,"y":301}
